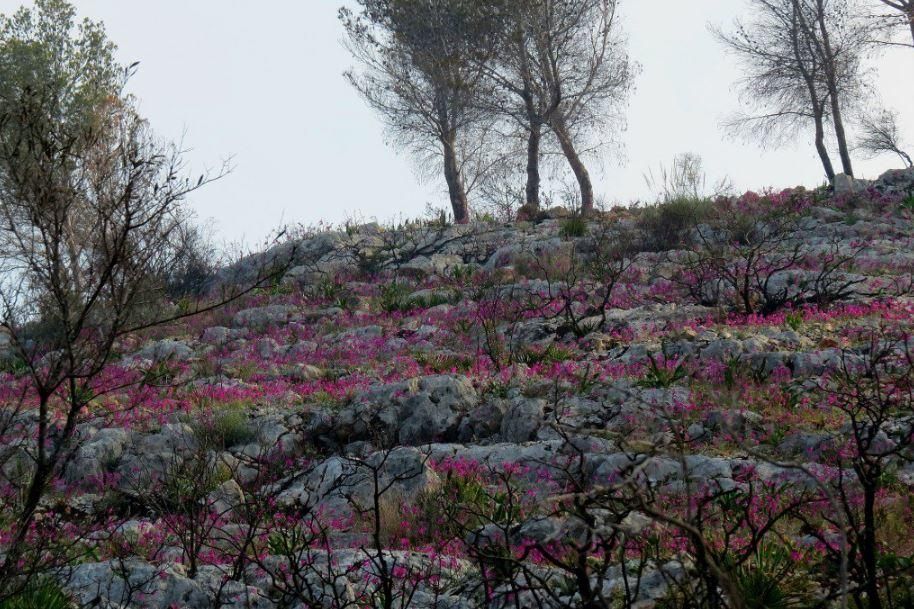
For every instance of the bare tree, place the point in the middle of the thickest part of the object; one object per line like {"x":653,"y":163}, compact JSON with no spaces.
{"x":685,"y":180}
{"x":882,"y":134}
{"x":902,"y":16}
{"x":802,"y":64}
{"x":566,"y":65}
{"x":91,"y":204}
{"x":421,"y":72}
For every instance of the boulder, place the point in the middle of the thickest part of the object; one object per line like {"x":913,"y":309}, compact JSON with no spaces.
{"x":522,"y":420}
{"x":338,"y":484}
{"x":436,"y":264}
{"x":97,"y":455}
{"x":226,"y":498}
{"x":166,"y":350}
{"x":262,"y":317}
{"x":482,"y":422}
{"x":896,"y":181}
{"x":150,"y":456}
{"x":843,"y":185}
{"x":217,"y":335}
{"x":144,"y":586}
{"x":409,"y":413}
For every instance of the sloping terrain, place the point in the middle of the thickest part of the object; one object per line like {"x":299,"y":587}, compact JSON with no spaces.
{"x":693,"y":404}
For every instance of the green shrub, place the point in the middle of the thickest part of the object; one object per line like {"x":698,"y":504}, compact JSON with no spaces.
{"x":40,"y":594}
{"x":665,"y":225}
{"x":574,"y":226}
{"x":13,"y":365}
{"x":661,"y":376}
{"x":551,"y":354}
{"x":224,"y":428}
{"x":771,"y":580}
{"x":794,"y":320}
{"x":460,"y":504}
{"x":908,"y":203}
{"x":392,"y":296}
{"x":444,"y":362}
{"x":433,"y":299}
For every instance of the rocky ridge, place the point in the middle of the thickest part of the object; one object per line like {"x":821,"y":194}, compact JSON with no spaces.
{"x":442,"y":416}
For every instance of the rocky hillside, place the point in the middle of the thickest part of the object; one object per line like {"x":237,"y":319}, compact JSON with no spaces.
{"x":696,"y":404}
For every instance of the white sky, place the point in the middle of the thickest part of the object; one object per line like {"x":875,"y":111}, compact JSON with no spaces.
{"x":262,"y":81}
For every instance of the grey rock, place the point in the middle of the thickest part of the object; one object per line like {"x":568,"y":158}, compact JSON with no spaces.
{"x":267,"y":348}
{"x":226,"y":498}
{"x":738,"y":422}
{"x":337,"y":483}
{"x":436,"y":264}
{"x":896,"y":181}
{"x":362,"y":333}
{"x":409,"y":413}
{"x":218,"y":335}
{"x":482,"y":422}
{"x":262,"y":317}
{"x":167,"y":349}
{"x":150,"y":456}
{"x":844,"y":184}
{"x":143,"y":586}
{"x":522,"y":420}
{"x":96,"y":455}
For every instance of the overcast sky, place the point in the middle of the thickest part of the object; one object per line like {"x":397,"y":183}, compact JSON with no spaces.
{"x":262,"y":82}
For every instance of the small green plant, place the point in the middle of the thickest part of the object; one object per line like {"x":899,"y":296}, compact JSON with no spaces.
{"x":587,"y":380}
{"x":776,"y":436}
{"x":206,"y":367}
{"x":908,"y":203}
{"x":433,"y":299}
{"x":436,"y":218}
{"x":39,"y":594}
{"x":771,"y":580}
{"x":463,"y":326}
{"x":462,"y":503}
{"x":185,"y":485}
{"x":14,"y":365}
{"x":161,"y":374}
{"x":392,"y":296}
{"x":333,"y":290}
{"x":573,"y":227}
{"x":224,"y":428}
{"x":327,"y":288}
{"x":662,"y":375}
{"x":462,"y":274}
{"x":444,"y":362}
{"x":246,"y":370}
{"x":794,"y":320}
{"x":291,"y":541}
{"x":498,"y":389}
{"x":551,"y":354}
{"x":734,"y":367}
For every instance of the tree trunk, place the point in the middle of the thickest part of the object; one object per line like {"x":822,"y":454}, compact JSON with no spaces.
{"x":799,"y":26}
{"x":574,"y":160}
{"x":869,"y":547}
{"x":911,"y":21}
{"x":821,"y":149}
{"x":837,"y":119}
{"x":831,"y":78}
{"x":533,"y":164}
{"x":455,"y":186}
